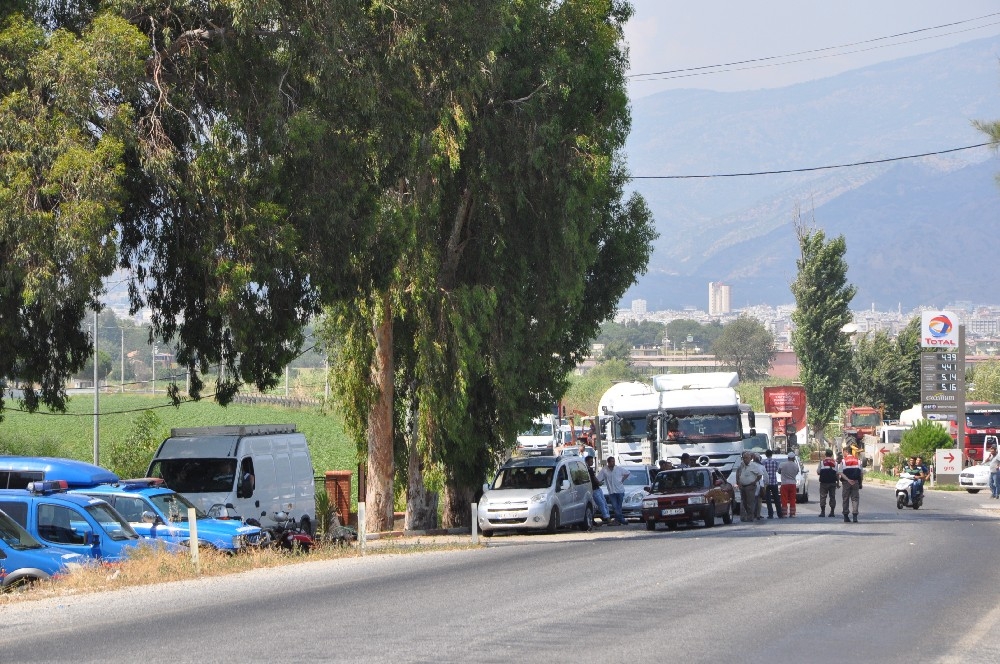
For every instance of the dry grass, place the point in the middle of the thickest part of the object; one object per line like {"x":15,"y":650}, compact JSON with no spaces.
{"x":147,"y":566}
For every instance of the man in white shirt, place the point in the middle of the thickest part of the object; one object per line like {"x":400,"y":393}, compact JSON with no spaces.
{"x":747,"y":477}
{"x":614,"y":477}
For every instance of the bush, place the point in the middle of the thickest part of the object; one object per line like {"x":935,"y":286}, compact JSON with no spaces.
{"x":130,"y":456}
{"x":923,"y":439}
{"x":891,"y":462}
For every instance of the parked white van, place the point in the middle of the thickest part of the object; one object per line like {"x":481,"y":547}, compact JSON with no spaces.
{"x":256,"y":470}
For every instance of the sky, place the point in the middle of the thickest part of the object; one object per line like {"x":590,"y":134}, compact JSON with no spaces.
{"x":680,"y":34}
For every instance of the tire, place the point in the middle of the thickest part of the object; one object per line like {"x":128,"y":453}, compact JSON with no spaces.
{"x":900,"y":501}
{"x":306,"y":525}
{"x":651,"y":525}
{"x":727,"y":516}
{"x":553,"y":521}
{"x":588,"y":519}
{"x":710,"y":516}
{"x":671,"y":525}
{"x":973,"y":490}
{"x":917,"y":503}
{"x":805,"y":497}
{"x":487,"y":533}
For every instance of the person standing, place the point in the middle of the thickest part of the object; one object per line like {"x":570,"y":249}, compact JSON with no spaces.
{"x":850,"y":480}
{"x":747,"y":476}
{"x":759,"y":502}
{"x":771,"y":493}
{"x":595,"y":485}
{"x":827,"y":475}
{"x":788,"y":471}
{"x":995,"y":474}
{"x":614,"y":477}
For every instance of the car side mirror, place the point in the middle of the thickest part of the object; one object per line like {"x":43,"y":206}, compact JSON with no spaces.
{"x":246,"y":487}
{"x":486,"y":487}
{"x":149,"y":517}
{"x":91,"y":538}
{"x":647,"y":489}
{"x":564,"y":486}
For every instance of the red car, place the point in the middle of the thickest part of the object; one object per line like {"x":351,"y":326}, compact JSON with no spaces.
{"x":687,"y":495}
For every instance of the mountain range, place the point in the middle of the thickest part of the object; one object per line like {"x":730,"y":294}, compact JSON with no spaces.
{"x":922,"y":231}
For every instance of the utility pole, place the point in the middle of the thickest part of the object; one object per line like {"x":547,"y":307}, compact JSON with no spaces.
{"x":97,"y":399}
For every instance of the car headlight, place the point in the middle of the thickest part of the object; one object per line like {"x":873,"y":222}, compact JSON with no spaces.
{"x":237,"y":541}
{"x":649,"y":503}
{"x":633,"y":499}
{"x":539,"y":497}
{"x":484,"y":500}
{"x":696,"y":500}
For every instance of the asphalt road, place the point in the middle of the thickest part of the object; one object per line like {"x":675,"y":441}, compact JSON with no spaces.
{"x":901,"y":586}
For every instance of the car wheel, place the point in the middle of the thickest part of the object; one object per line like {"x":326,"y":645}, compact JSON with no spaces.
{"x":973,"y":490}
{"x":487,"y":533}
{"x":727,"y":517}
{"x":554,"y":520}
{"x":710,"y":516}
{"x":900,"y":501}
{"x":671,"y":525}
{"x":588,"y":519}
{"x":650,"y":525}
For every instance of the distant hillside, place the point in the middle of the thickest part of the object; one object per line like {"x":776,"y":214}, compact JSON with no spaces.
{"x":918,"y":232}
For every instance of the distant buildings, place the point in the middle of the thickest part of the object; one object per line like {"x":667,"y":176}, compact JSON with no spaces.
{"x":638,"y":307}
{"x":718,"y":298}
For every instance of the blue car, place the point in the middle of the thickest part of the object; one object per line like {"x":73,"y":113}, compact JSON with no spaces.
{"x":156,"y":512}
{"x":24,"y":560}
{"x":16,"y":472}
{"x":81,"y":524}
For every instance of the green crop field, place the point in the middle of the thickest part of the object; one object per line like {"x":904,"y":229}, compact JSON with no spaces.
{"x":71,"y":434}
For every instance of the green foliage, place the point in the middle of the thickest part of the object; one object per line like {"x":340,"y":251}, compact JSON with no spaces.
{"x":635,"y":333}
{"x":923,"y":439}
{"x":892,"y":461}
{"x":885,"y":372}
{"x":822,"y":298}
{"x":746,"y":347}
{"x":618,"y":350}
{"x":130,"y":456}
{"x":986,"y":379}
{"x":326,"y":512}
{"x":585,"y":392}
{"x":703,"y":335}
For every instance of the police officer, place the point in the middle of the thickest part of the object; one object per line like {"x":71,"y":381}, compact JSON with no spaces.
{"x":850,"y":480}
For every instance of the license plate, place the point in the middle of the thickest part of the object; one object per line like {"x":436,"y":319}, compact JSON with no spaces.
{"x":673,"y":512}
{"x":504,"y":515}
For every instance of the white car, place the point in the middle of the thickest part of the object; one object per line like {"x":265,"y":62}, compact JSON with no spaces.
{"x":975,"y":478}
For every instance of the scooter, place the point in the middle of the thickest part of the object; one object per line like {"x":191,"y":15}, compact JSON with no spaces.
{"x":903,"y":485}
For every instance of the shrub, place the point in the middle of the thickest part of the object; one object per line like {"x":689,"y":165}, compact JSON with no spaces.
{"x":130,"y":456}
{"x":923,"y":439}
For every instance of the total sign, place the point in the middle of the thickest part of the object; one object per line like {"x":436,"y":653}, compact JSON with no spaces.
{"x":938,"y":329}
{"x":948,"y":462}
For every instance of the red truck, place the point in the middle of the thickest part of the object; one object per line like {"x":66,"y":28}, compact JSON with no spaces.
{"x":861,"y":421}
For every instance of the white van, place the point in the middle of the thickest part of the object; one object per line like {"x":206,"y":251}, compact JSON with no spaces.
{"x":256,"y":470}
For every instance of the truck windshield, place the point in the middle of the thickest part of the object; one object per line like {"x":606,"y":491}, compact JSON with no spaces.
{"x":866,"y":419}
{"x":715,"y":426}
{"x":15,"y":536}
{"x":983,"y":420}
{"x":632,"y":426}
{"x":175,"y":507}
{"x":116,"y":527}
{"x":196,"y":475}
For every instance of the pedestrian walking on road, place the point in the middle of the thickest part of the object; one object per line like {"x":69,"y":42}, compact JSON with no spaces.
{"x":788,"y":471}
{"x":595,"y":484}
{"x":747,"y":476}
{"x":614,"y":478}
{"x":827,"y":475}
{"x":771,"y":493}
{"x":850,"y":480}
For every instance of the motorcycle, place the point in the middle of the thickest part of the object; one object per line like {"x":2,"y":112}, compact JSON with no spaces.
{"x":903,"y":485}
{"x":288,"y":532}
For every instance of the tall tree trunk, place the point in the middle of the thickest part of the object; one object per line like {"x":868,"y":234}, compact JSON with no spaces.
{"x":457,"y":504}
{"x":421,"y":504}
{"x":381,"y":466}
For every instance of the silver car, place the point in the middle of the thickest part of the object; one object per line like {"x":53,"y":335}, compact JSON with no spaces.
{"x":537,"y":493}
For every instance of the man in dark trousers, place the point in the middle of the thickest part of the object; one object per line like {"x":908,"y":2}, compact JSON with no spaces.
{"x":827,"y":474}
{"x":850,"y":480}
{"x":771,"y":493}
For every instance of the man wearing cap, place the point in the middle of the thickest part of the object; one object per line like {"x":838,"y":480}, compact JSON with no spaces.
{"x":827,"y":474}
{"x":788,"y":470}
{"x":850,"y":480}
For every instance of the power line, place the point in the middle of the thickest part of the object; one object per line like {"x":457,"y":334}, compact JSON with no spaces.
{"x":808,"y":169}
{"x":735,"y":66}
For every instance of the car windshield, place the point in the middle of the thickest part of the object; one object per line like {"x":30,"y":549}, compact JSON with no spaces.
{"x":534,"y":477}
{"x":637,"y":476}
{"x":175,"y":507}
{"x":15,"y":536}
{"x":538,"y":429}
{"x":116,"y":527}
{"x":681,"y":480}
{"x":196,"y":475}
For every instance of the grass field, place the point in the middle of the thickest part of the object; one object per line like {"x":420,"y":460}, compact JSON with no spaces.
{"x":71,"y":434}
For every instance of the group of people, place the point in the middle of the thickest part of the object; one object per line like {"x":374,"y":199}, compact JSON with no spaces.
{"x":766,"y":481}
{"x":844,"y":474}
{"x":918,"y":470}
{"x":613,"y":477}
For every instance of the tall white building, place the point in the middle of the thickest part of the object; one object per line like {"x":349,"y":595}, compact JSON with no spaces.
{"x":718,"y":298}
{"x":638,"y":307}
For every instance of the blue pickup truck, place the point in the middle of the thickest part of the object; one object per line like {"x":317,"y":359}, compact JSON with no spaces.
{"x":156,"y":512}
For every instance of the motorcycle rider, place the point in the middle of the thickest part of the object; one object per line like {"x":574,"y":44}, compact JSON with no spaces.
{"x":916,"y":468}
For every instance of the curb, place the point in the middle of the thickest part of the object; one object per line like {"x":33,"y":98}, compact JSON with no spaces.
{"x":398,"y":534}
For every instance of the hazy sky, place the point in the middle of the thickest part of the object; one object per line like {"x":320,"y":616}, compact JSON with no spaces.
{"x":682,"y":34}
